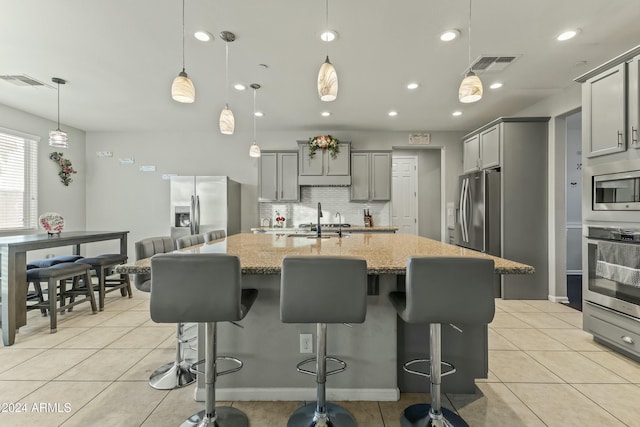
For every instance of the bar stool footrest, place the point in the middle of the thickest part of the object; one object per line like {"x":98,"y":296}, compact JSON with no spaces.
{"x":196,"y":370}
{"x":405,"y":367}
{"x":342,"y":363}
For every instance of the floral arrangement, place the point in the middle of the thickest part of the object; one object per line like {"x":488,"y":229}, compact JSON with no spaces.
{"x":65,"y":167}
{"x":324,"y":142}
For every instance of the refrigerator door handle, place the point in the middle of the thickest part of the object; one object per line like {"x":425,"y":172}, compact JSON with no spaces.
{"x":468,"y":209}
{"x":197,"y":214}
{"x":463,"y":210}
{"x":192,"y":215}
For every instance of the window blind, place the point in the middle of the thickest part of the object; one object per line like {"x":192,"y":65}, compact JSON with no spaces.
{"x":18,"y":182}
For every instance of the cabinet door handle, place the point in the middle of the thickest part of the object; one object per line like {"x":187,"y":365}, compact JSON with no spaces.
{"x":620,"y":139}
{"x":634,"y":135}
{"x":627,"y":339}
{"x":275,"y":195}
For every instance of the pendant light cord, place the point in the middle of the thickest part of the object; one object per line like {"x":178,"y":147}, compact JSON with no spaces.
{"x":327,"y":24}
{"x":469,"y":35}
{"x":183,"y":36}
{"x":226,"y":44}
{"x":58,"y":105}
{"x":254,"y":115}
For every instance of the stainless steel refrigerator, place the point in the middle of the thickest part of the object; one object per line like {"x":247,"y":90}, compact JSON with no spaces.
{"x":204,"y":203}
{"x":478,"y":212}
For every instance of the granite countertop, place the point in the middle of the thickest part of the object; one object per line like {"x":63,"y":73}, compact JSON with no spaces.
{"x":386,"y":253}
{"x":324,"y":229}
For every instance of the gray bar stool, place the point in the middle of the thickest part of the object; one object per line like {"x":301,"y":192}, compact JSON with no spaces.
{"x":56,"y":276}
{"x":103,"y":266}
{"x":191,"y":240}
{"x":203,"y":288}
{"x":442,"y":290}
{"x":322,"y":290}
{"x":177,"y":373}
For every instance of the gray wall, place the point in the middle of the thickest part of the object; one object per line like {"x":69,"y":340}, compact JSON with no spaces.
{"x":123,"y":197}
{"x":557,"y":107}
{"x":53,"y":196}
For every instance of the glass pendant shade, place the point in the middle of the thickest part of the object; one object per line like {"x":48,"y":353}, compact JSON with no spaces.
{"x":470,"y":89}
{"x":182,"y":89}
{"x":327,"y":81}
{"x":227,"y":122}
{"x":254,"y":151}
{"x":58,"y":138}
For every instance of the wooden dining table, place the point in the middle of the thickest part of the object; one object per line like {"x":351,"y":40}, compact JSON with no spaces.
{"x":13,"y":269}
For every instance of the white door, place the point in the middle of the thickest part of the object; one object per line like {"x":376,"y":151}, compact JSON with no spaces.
{"x":404,"y":206}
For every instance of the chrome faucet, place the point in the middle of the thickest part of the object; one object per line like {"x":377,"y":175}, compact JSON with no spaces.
{"x":339,"y":224}
{"x":318,"y":231}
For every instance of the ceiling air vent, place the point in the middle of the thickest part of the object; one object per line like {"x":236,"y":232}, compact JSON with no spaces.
{"x":492,"y":63}
{"x":21,"y":80}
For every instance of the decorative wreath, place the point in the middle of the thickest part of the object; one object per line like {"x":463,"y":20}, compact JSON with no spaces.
{"x":324,"y":142}
{"x":65,"y":167}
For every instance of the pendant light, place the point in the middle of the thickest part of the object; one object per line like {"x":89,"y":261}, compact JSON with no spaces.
{"x":254,"y":151}
{"x":471,"y":86}
{"x":327,"y":76}
{"x":182,"y":89}
{"x":227,"y":122}
{"x":58,"y":138}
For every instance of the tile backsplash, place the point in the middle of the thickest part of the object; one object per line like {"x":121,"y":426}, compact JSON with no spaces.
{"x":333,"y":200}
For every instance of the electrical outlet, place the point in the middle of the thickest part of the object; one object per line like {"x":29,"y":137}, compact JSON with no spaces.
{"x":306,"y":343}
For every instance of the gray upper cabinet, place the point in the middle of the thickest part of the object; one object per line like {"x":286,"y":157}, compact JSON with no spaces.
{"x":604,"y":112}
{"x":278,"y":172}
{"x":633,"y":110}
{"x":490,"y":147}
{"x":370,"y":176}
{"x":471,"y":154}
{"x":322,"y":168}
{"x":482,"y":150}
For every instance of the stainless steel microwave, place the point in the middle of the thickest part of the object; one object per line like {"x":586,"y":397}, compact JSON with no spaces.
{"x":617,"y":191}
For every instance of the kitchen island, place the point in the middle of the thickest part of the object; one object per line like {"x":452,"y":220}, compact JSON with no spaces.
{"x":374,"y":350}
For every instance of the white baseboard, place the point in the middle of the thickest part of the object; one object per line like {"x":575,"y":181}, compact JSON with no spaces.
{"x":558,"y":299}
{"x":298,"y":394}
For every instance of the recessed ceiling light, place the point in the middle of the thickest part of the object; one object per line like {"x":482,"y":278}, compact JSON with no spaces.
{"x":325,"y":114}
{"x":239,"y":86}
{"x":203,"y":36}
{"x":449,"y":35}
{"x":456,"y":113}
{"x":496,"y":85}
{"x":567,"y":35}
{"x":393,"y":113}
{"x":259,"y":113}
{"x":412,"y":86}
{"x":329,"y":36}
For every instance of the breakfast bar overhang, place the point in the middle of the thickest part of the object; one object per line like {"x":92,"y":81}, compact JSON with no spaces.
{"x":374,"y":351}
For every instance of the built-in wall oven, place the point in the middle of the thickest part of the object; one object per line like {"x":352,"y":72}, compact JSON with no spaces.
{"x":611,"y":290}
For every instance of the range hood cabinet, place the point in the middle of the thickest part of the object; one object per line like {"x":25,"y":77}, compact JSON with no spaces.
{"x":323,"y":169}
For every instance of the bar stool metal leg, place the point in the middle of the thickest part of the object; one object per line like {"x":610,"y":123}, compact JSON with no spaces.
{"x":425,"y":415}
{"x":211,"y":416}
{"x":174,"y":374}
{"x":321,"y":413}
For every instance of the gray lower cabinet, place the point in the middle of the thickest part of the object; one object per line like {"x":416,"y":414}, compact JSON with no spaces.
{"x":613,"y":329}
{"x":278,"y":177}
{"x":370,"y":176}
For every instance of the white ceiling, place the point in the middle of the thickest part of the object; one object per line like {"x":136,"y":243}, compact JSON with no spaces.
{"x":120,"y":57}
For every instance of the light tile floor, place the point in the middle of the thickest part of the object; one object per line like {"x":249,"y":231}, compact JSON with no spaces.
{"x":544,"y":371}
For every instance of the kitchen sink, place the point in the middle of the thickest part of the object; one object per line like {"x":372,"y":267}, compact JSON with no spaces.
{"x":313,"y":236}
